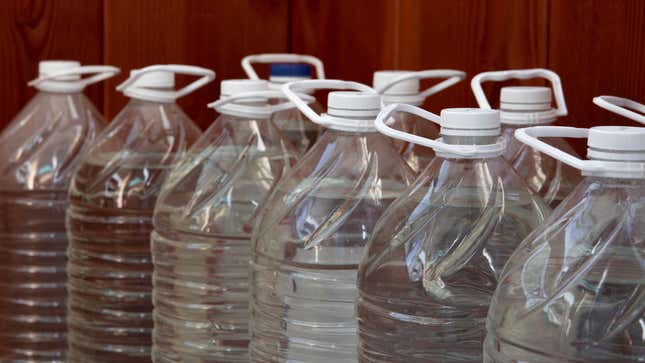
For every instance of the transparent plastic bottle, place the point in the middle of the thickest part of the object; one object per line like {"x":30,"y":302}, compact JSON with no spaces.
{"x":573,"y":291}
{"x":39,"y":151}
{"x":298,"y":129}
{"x":203,"y":223}
{"x":403,"y":87}
{"x":109,"y":220}
{"x":526,"y":106}
{"x":314,"y":228}
{"x":436,"y":255}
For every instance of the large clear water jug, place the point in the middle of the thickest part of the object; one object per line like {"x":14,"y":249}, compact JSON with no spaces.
{"x":202,"y":228}
{"x":403,"y":87}
{"x":573,"y":290}
{"x":283,"y":68}
{"x":314,"y":228}
{"x":523,"y":106}
{"x":109,"y":220}
{"x":436,"y":255}
{"x":39,"y":151}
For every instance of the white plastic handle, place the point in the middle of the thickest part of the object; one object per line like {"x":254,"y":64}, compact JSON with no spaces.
{"x":529,"y":136}
{"x":207,"y":76}
{"x":453,"y":77}
{"x":281,"y":58}
{"x":100,"y":73}
{"x":383,"y":118}
{"x":259,"y":94}
{"x":476,"y":85}
{"x":622,"y":106}
{"x":313,"y":84}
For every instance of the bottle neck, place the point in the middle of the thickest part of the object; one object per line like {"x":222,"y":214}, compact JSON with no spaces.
{"x":469,"y":140}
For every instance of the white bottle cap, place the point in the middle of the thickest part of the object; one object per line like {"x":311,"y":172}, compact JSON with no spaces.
{"x":346,"y":111}
{"x":155,"y":79}
{"x":48,"y":67}
{"x":230,"y":87}
{"x":454,"y":122}
{"x":470,"y":122}
{"x":353,"y":104}
{"x":523,"y":105}
{"x":616,"y":143}
{"x":525,"y":99}
{"x":613,"y":151}
{"x":407,"y":87}
{"x":406,"y":91}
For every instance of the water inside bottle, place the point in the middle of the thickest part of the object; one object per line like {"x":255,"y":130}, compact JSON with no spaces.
{"x":110,"y":306}
{"x":306,"y":302}
{"x":201,"y":253}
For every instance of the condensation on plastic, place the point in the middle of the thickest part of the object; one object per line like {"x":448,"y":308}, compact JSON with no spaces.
{"x":201,"y":243}
{"x":39,"y":151}
{"x":572,"y":292}
{"x":112,"y":196}
{"x":309,"y":242}
{"x":435,"y":258}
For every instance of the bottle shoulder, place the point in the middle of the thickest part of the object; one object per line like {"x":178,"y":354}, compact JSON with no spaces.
{"x":451,"y":233}
{"x":224,"y":179}
{"x":582,"y":268}
{"x":44,"y":143}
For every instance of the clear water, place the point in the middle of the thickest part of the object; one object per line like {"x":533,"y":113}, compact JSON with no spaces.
{"x":201,"y":250}
{"x":32,"y":287}
{"x":427,"y":299}
{"x":201,"y":297}
{"x":573,"y":291}
{"x":579,"y":345}
{"x":109,"y":222}
{"x":304,"y":304}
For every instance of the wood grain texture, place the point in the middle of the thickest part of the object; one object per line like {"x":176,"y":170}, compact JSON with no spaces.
{"x":473,"y":36}
{"x":353,"y":38}
{"x":36,"y":30}
{"x":211,"y":34}
{"x":598,"y":48}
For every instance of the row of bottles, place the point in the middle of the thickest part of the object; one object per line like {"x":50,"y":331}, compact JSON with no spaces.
{"x":286,"y":234}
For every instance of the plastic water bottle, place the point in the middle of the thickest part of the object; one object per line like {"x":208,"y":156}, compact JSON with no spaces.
{"x":39,"y":151}
{"x":203,"y":223}
{"x":109,"y":220}
{"x":314,"y":228}
{"x":525,"y":106}
{"x":436,"y":255}
{"x":573,"y":291}
{"x":403,"y":87}
{"x":284,"y":68}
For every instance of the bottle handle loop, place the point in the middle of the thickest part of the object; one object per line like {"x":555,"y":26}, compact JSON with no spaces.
{"x":281,"y":58}
{"x":313,"y":84}
{"x":100,"y":73}
{"x":207,"y":76}
{"x":384,"y":118}
{"x":622,"y":106}
{"x":530,"y":135}
{"x":452,"y":77}
{"x":221,"y":103}
{"x":556,"y":84}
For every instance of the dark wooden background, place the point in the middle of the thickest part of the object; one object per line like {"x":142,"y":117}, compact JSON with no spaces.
{"x":597,"y":46}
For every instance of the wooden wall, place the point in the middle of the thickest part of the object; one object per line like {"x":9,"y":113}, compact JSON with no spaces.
{"x":597,"y":46}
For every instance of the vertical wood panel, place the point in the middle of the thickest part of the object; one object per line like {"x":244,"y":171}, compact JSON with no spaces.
{"x":598,"y":47}
{"x":211,"y":34}
{"x":473,"y":36}
{"x":353,"y":38}
{"x":31,"y":31}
